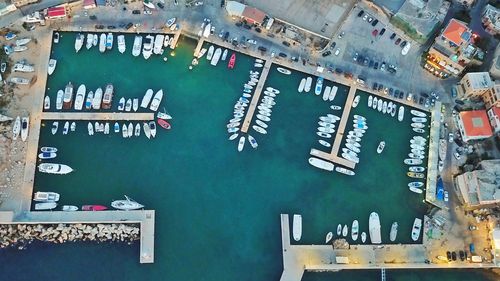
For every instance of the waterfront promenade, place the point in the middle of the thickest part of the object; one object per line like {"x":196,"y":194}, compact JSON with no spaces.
{"x":87,"y":116}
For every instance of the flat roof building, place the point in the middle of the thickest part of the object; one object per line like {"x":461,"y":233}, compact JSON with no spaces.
{"x":474,"y":125}
{"x":491,"y":19}
{"x":494,"y":117}
{"x":249,"y":14}
{"x":474,"y":84}
{"x":481,"y":187}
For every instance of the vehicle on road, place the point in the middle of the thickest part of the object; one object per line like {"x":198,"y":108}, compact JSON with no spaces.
{"x":337,"y":52}
{"x":374,"y":23}
{"x":450,"y":137}
{"x":360,"y":14}
{"x":365,"y":17}
{"x":136,"y":12}
{"x":409,"y":97}
{"x":398,"y":41}
{"x":327,"y":53}
{"x":382,"y":31}
{"x":332,"y":46}
{"x":375,"y":32}
{"x":341,"y":35}
{"x":251,"y":41}
{"x":285,"y":43}
{"x":393,"y":36}
{"x":457,"y":156}
{"x":403,"y":44}
{"x":355,"y":57}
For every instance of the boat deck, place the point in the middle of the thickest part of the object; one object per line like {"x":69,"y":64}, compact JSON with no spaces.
{"x":333,"y":155}
{"x":256,"y":96}
{"x":118,"y":116}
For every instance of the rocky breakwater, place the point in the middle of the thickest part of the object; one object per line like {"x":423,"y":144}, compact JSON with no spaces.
{"x":19,"y":235}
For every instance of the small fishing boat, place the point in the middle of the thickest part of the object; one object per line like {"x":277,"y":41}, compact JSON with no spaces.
{"x":216,"y":57}
{"x":46,"y":197}
{"x":344,"y":171}
{"x":66,"y":128}
{"x":46,"y":103}
{"x":51,"y":66}
{"x":321,"y":164}
{"x":130,"y":130}
{"x":329,"y":237}
{"x":417,"y":113}
{"x":380,"y":105}
{"x":96,"y":102}
{"x":415,"y":175}
{"x":124,"y":131}
{"x":128,"y":105}
{"x":339,"y":229}
{"x":363,"y":237}
{"x":55,"y":127}
{"x":335,"y":107}
{"x":302,"y":85}
{"x":297,"y":227}
{"x":319,"y":86}
{"x":88,"y":100}
{"x":202,"y":52}
{"x":136,"y":49}
{"x":90,"y":41}
{"x":52,"y":168}
{"x":415,"y":232}
{"x":326,"y":93}
{"x":416,"y":190}
{"x":152,"y":128}
{"x":417,"y":125}
{"x":170,"y":22}
{"x":48,"y":149}
{"x":233,"y":136}
{"x":69,"y":208}
{"x":90,"y":129}
{"x":241,"y":143}
{"x":419,"y":130}
{"x":324,"y":135}
{"x":375,"y":103}
{"x":121,"y":43}
{"x":259,"y":129}
{"x":356,"y":101}
{"x":94,"y":208}
{"x":47,"y":155}
{"x":419,"y":119}
{"x":155,"y":103}
{"x":224,"y":55}
{"x":109,"y":41}
{"x":116,"y":127}
{"x":164,"y":124}
{"x":381,"y":147}
{"x":261,"y":124}
{"x":59,"y":99}
{"x":384,"y":107}
{"x":121,"y":104}
{"x":137,"y":131}
{"x":106,"y":128}
{"x":102,"y":43}
{"x":307,"y":87}
{"x":324,"y":143}
{"x":232,"y":61}
{"x":374,"y":228}
{"x":79,"y":42}
{"x":25,"y":127}
{"x":45,"y":206}
{"x":284,"y":70}
{"x":68,"y":96}
{"x":252,"y":142}
{"x":416,"y":169}
{"x":210,"y":52}
{"x":147,"y":47}
{"x":263,"y":118}
{"x":80,"y":97}
{"x":394,"y":231}
{"x":127,"y":204}
{"x":135,"y":104}
{"x":56,"y":37}
{"x":345,"y":230}
{"x":354,"y":230}
{"x":147,"y":98}
{"x":333,"y":93}
{"x":401,"y":113}
{"x":370,"y":101}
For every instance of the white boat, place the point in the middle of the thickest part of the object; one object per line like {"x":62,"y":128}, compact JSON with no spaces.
{"x":128,"y":105}
{"x":155,"y":103}
{"x":25,"y":121}
{"x":416,"y":190}
{"x":68,"y":96}
{"x":52,"y":66}
{"x":206,"y":31}
{"x":79,"y":42}
{"x":48,"y":149}
{"x":344,"y":171}
{"x":130,"y":130}
{"x":127,"y":204}
{"x":52,"y":168}
{"x":355,"y":230}
{"x":80,"y":97}
{"x":326,"y":93}
{"x":384,"y":107}
{"x":46,"y":197}
{"x":121,"y":104}
{"x":440,"y":165}
{"x":297,"y":227}
{"x":96,"y":102}
{"x":380,"y":104}
{"x":321,"y":164}
{"x":381,"y":147}
{"x":147,"y":48}
{"x":252,"y":142}
{"x":116,"y":127}
{"x":401,"y":113}
{"x":335,"y":107}
{"x":147,"y":98}
{"x":137,"y":131}
{"x":258,"y":65}
{"x":90,"y":41}
{"x":326,"y":130}
{"x":102,"y":43}
{"x":96,"y":40}
{"x":233,"y":136}
{"x":210,"y":52}
{"x":345,"y":230}
{"x":88,"y":100}
{"x":263,"y":118}
{"x":69,"y":208}
{"x":59,"y":99}
{"x":152,"y":128}
{"x":416,"y":169}
{"x":109,"y":41}
{"x":215,"y":58}
{"x":329,"y":237}
{"x":324,"y":135}
{"x":22,"y":41}
{"x":202,"y":52}
{"x":353,"y":148}
{"x":135,"y":104}
{"x":394,"y":231}
{"x":158,"y":44}
{"x":66,"y":128}
{"x":370,"y":101}
{"x":121,"y":43}
{"x":319,"y":86}
{"x":324,"y":143}
{"x":375,"y":103}
{"x":307,"y":87}
{"x":418,"y":125}
{"x":124,"y":131}
{"x":415,"y":231}
{"x":241,"y":143}
{"x":418,"y":113}
{"x":389,"y":107}
{"x":419,"y":119}
{"x":55,"y":127}
{"x":45,"y":206}
{"x":339,"y":229}
{"x":374,"y":228}
{"x":46,"y":103}
{"x":170,"y":22}
{"x":356,"y":101}
{"x":349,"y":152}
{"x":261,"y":124}
{"x":259,"y":129}
{"x":284,"y":71}
{"x":106,"y":128}
{"x":333,"y":93}
{"x":136,"y":49}
{"x":90,"y":129}
{"x":411,"y":161}
{"x":47,"y":155}
{"x":393,"y":111}
{"x":363,"y":237}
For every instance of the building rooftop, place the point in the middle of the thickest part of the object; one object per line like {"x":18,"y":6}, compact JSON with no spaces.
{"x":457,"y":32}
{"x":480,"y":80}
{"x":481,"y":186}
{"x":254,"y":14}
{"x":476,"y":123}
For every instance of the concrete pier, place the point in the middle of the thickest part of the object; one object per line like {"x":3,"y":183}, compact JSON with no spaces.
{"x":177,"y":34}
{"x":433,"y":156}
{"x":112,"y":116}
{"x":256,"y":96}
{"x":333,"y":155}
{"x":198,"y":47}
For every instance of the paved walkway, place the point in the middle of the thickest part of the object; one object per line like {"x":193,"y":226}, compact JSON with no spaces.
{"x":119,"y":116}
{"x":433,"y":157}
{"x":256,"y":96}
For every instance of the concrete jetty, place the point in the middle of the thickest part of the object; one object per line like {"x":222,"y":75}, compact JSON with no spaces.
{"x":115,"y":116}
{"x":176,"y":38}
{"x":433,"y":156}
{"x":333,"y":155}
{"x":256,"y":96}
{"x":198,"y":47}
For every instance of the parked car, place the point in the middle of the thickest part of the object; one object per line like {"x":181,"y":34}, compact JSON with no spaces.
{"x":148,"y":12}
{"x":401,"y":95}
{"x":457,"y":156}
{"x":129,"y":26}
{"x":409,"y":97}
{"x":370,"y":64}
{"x":355,"y":57}
{"x":397,"y":41}
{"x":337,"y":52}
{"x":375,"y":66}
{"x":286,"y":43}
{"x":403,"y":44}
{"x":360,"y":14}
{"x":375,"y":32}
{"x":450,"y":137}
{"x":462,"y":255}
{"x":283,"y":55}
{"x":99,"y":26}
{"x":382,"y":31}
{"x":446,"y":196}
{"x":262,"y":48}
{"x":370,"y":19}
{"x":327,"y":53}
{"x":421,"y":101}
{"x":136,"y":12}
{"x":396,"y":93}
{"x":391,"y":91}
{"x":375,"y":86}
{"x":448,"y":255}
{"x":365,"y":17}
{"x":453,"y":256}
{"x":226,"y":35}
{"x":160,"y":5}
{"x":393,"y":36}
{"x":380,"y":87}
{"x":332,"y":46}
{"x":341,"y":35}
{"x":251,"y":41}
{"x":374,"y":23}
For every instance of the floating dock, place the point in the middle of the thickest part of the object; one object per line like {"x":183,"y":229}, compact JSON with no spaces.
{"x":112,"y":116}
{"x":256,"y":96}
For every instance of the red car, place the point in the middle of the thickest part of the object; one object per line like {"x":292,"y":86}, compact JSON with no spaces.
{"x":397,"y":41}
{"x":375,"y":32}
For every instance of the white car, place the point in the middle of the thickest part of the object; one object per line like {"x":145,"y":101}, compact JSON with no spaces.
{"x":337,"y":52}
{"x":450,"y":137}
{"x":251,"y":41}
{"x":457,"y":156}
{"x":446,"y":197}
{"x":148,"y":12}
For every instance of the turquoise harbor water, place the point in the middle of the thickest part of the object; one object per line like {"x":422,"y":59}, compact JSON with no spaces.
{"x":217,"y":210}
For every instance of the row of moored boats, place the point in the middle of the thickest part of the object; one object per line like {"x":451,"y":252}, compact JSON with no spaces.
{"x":386,"y":107}
{"x":416,"y":169}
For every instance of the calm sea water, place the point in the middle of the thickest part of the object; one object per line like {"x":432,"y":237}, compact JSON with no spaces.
{"x":217,"y":210}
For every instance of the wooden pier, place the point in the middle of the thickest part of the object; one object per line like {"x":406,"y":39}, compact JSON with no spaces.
{"x":198,"y":47}
{"x":256,"y":96}
{"x":112,"y":116}
{"x":332,"y":156}
{"x":176,"y":38}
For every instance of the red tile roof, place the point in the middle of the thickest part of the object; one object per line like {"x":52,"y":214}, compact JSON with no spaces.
{"x":253,"y":15}
{"x":56,"y":12}
{"x":476,"y":123}
{"x":454,"y":31}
